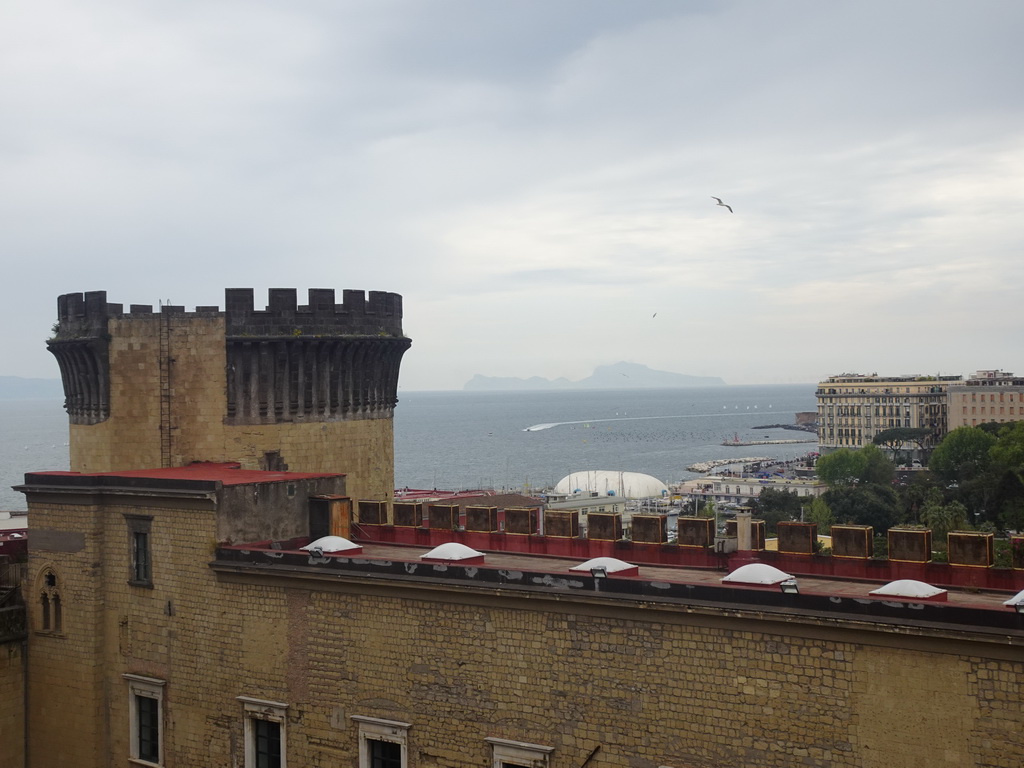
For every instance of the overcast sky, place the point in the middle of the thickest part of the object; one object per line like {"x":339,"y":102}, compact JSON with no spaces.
{"x":535,"y":178}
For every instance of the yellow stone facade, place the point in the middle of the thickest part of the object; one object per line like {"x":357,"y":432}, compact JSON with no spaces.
{"x":168,"y":408}
{"x":12,"y":704}
{"x":648,"y":684}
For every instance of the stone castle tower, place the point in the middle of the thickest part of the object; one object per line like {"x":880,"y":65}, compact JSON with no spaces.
{"x":308,"y":388}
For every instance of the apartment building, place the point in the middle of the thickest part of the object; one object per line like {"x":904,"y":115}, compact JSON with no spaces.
{"x":986,"y":397}
{"x":853,"y":408}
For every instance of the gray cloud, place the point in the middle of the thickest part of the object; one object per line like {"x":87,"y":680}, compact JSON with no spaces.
{"x":533,"y":177}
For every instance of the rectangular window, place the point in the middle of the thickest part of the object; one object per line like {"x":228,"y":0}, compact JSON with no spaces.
{"x":384,"y":754}
{"x":382,"y":743}
{"x":517,"y":754}
{"x":265,"y":745}
{"x":141,"y":570}
{"x":146,"y":719}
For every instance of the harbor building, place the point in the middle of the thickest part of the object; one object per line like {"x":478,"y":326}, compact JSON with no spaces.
{"x":991,"y":396}
{"x":853,"y":408}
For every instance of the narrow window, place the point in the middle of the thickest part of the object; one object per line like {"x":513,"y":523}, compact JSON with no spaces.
{"x":148,"y":742}
{"x":265,"y":737}
{"x":382,"y":743}
{"x":51,"y":615}
{"x":140,"y":571}
{"x":267,"y":746}
{"x":145,"y":699}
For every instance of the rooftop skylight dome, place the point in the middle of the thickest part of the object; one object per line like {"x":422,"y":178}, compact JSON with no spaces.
{"x":909,"y":588}
{"x":331,"y":544}
{"x":453,"y":552}
{"x":610,"y":565}
{"x":760,"y":574}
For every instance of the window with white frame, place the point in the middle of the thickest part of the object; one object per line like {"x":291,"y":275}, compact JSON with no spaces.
{"x":265,"y":745}
{"x":518,"y":754}
{"x":382,"y":743}
{"x":145,"y":707}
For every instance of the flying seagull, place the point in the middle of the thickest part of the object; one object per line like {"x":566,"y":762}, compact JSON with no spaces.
{"x":721,"y":203}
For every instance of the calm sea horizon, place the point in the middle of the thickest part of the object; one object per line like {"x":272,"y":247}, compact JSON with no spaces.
{"x":510,"y":440}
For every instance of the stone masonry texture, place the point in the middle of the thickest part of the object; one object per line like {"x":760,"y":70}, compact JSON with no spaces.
{"x":652,"y":685}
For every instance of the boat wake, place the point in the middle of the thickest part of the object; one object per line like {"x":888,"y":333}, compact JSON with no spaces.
{"x":540,"y":427}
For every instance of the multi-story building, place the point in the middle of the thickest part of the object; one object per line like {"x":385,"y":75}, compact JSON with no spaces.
{"x":986,"y":397}
{"x":853,"y":408}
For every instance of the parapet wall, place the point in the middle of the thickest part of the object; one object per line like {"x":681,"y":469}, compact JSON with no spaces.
{"x":86,"y":314}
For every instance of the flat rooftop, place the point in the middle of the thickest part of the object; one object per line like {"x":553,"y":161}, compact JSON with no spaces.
{"x":972,"y":612}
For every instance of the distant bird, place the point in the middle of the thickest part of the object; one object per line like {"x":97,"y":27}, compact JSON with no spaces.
{"x":655,"y":314}
{"x":721,"y":203}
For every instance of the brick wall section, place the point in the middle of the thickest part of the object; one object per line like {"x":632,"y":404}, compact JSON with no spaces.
{"x":653,"y":686}
{"x":67,"y":679}
{"x":12,"y":699}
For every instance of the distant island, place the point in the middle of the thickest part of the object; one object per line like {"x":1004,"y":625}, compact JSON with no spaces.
{"x":18,"y":388}
{"x":615,"y":376}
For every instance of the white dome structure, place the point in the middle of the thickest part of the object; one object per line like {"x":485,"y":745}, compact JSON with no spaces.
{"x":757,"y":573}
{"x":609,"y":564}
{"x":630,"y":485}
{"x":908,"y":588}
{"x":331,"y":544}
{"x":452,"y":551}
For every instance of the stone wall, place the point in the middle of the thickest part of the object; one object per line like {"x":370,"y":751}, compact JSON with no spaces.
{"x":650,"y":684}
{"x":160,"y":389}
{"x":12,"y":701}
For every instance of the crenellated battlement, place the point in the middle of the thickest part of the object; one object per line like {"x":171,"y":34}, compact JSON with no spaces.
{"x":86,"y":314}
{"x":313,"y":362}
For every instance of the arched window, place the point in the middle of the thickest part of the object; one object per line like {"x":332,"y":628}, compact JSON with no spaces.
{"x":51,"y":612}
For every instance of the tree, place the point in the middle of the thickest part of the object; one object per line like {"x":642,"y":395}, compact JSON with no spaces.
{"x":840,"y":468}
{"x":847,"y":467}
{"x":775,"y":506}
{"x":963,"y":455}
{"x":877,"y":467}
{"x":818,"y":512}
{"x":868,"y":504}
{"x":893,"y":439}
{"x":943,"y":517}
{"x":708,"y":509}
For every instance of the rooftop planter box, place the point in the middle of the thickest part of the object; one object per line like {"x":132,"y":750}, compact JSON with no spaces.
{"x":408,"y":514}
{"x":562,"y":523}
{"x":971,"y":548}
{"x":856,"y":542}
{"x":797,"y":538}
{"x":696,"y":532}
{"x":650,"y":529}
{"x":482,"y":519}
{"x":910,"y":545}
{"x":443,"y":516}
{"x":521,"y":520}
{"x":1017,"y":552}
{"x":373,"y":512}
{"x":604,"y":526}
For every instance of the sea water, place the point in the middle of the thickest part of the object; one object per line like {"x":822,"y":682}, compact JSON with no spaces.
{"x":511,"y":440}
